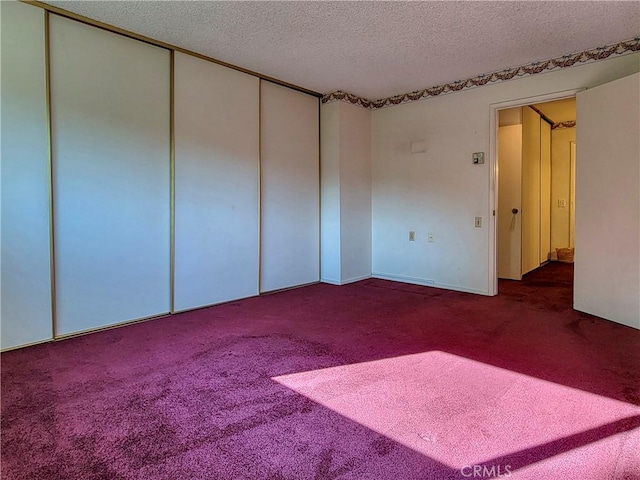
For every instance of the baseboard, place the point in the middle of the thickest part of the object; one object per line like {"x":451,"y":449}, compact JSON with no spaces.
{"x":427,"y":283}
{"x":331,"y":281}
{"x":355,"y":279}
{"x":31,"y":344}
{"x":207,"y":305}
{"x":284,"y":289}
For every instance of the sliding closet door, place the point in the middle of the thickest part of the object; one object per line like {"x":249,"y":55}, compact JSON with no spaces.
{"x":111,"y":155}
{"x":290,"y":188}
{"x":25,"y":257}
{"x":216,"y":183}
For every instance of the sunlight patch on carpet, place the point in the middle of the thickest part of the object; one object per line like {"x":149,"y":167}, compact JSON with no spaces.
{"x":460,"y":411}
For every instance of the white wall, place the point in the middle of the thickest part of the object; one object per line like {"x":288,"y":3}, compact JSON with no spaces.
{"x":346,"y":193}
{"x":355,"y":196}
{"x":330,"y":258}
{"x":440,"y":191}
{"x":510,"y":116}
{"x":607,"y":268}
{"x":25,"y":255}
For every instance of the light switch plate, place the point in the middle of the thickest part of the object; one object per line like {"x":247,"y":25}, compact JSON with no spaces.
{"x":478,"y":158}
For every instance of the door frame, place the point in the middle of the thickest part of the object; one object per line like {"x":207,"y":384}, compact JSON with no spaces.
{"x":493,"y":170}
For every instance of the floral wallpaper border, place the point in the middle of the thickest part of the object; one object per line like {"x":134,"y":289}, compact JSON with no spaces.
{"x":534,"y":68}
{"x":567,"y":124}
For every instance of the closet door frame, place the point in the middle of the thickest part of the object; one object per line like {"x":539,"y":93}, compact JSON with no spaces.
{"x":50,"y":11}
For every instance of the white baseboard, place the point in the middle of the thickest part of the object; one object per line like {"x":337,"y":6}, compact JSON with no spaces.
{"x":355,"y":279}
{"x":427,"y":283}
{"x":331,"y":281}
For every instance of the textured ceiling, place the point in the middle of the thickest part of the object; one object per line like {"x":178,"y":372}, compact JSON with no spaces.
{"x":373,"y":49}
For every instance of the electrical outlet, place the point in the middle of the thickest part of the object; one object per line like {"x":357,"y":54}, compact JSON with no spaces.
{"x":478,"y":158}
{"x":478,"y":222}
{"x":412,"y":236}
{"x":430,"y":238}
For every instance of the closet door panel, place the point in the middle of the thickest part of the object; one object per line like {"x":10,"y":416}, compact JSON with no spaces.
{"x":216,"y":183}
{"x":290,"y":188}
{"x":111,"y":154}
{"x":25,"y":253}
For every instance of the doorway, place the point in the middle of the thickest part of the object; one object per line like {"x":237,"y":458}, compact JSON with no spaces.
{"x":535,"y":208}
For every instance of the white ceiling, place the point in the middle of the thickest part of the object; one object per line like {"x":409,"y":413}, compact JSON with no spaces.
{"x":373,"y":49}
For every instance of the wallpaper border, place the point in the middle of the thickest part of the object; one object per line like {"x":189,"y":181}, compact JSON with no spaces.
{"x":561,"y":125}
{"x":534,"y":68}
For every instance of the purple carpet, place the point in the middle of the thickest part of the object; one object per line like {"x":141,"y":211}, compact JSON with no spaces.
{"x":373,"y":380}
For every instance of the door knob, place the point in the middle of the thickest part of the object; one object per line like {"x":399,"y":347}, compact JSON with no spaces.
{"x":514,"y":211}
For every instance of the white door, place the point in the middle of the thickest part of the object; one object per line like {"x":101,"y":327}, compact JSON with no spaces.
{"x":110,"y":119}
{"x":509,"y":202}
{"x":25,"y":276}
{"x":572,"y":196}
{"x":545,"y":191}
{"x":217,"y":158}
{"x":607,"y":235}
{"x":289,"y":188}
{"x":530,"y":190}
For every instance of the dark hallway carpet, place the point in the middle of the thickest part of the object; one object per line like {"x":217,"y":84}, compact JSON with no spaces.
{"x":373,"y":380}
